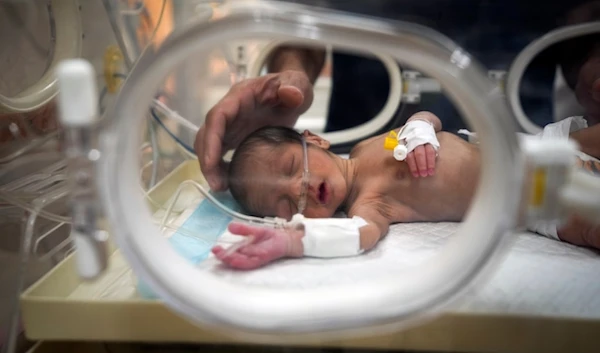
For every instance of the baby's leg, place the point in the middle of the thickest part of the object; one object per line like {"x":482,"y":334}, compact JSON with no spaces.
{"x":580,"y":232}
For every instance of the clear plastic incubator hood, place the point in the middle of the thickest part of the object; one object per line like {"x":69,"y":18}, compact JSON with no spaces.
{"x":390,"y":301}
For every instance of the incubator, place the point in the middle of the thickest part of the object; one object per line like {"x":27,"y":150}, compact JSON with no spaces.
{"x":115,"y":198}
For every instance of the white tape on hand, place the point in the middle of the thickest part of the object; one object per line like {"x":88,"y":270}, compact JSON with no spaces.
{"x":330,"y":237}
{"x":414,"y":134}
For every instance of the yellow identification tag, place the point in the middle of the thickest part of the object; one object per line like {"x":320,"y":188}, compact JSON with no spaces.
{"x":538,"y":190}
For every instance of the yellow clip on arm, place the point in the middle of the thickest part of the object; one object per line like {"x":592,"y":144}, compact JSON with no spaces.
{"x":391,"y":141}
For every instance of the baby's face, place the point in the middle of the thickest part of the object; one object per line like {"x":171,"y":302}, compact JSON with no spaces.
{"x":273,"y":179}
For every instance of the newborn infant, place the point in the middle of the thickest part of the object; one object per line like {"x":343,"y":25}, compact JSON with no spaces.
{"x":265,"y":177}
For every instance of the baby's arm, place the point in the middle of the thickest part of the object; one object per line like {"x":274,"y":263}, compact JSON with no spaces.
{"x":325,"y":238}
{"x":377,"y":227}
{"x":428,"y":117}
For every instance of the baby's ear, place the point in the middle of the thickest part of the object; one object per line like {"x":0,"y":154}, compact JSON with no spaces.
{"x":316,"y":140}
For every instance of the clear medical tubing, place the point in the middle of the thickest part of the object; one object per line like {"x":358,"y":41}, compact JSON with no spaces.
{"x":521,"y":63}
{"x":65,"y":18}
{"x":335,"y":311}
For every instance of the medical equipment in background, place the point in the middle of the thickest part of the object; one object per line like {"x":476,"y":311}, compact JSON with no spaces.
{"x":520,"y":64}
{"x":66,"y":33}
{"x":36,"y":35}
{"x":410,"y":297}
{"x":35,"y":182}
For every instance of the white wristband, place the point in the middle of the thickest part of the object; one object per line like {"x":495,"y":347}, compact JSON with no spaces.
{"x":414,"y":134}
{"x":330,"y":237}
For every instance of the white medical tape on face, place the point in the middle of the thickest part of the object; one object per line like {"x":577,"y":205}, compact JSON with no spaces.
{"x":330,"y":237}
{"x":414,"y":134}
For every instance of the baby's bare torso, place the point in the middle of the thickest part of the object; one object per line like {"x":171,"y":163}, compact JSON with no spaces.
{"x":389,"y":186}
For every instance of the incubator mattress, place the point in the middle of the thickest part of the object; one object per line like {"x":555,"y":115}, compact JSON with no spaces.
{"x":538,"y":276}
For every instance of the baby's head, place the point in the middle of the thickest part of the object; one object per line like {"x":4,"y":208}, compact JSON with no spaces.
{"x":265,"y":174}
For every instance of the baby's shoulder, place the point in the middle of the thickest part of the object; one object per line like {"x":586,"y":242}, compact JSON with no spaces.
{"x":366,"y":147}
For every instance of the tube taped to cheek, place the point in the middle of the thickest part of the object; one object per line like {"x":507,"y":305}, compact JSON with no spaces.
{"x":330,"y":237}
{"x":414,"y":134}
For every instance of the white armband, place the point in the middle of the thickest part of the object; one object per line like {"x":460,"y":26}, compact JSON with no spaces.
{"x":330,"y":237}
{"x":414,"y":134}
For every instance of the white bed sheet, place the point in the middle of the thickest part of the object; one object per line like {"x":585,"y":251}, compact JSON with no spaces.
{"x":538,"y":276}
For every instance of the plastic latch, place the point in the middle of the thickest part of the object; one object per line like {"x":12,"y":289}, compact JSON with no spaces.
{"x":548,"y":162}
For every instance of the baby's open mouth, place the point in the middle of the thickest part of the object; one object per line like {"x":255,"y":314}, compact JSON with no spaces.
{"x":323,"y":193}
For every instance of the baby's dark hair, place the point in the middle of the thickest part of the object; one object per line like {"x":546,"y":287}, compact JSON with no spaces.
{"x":269,"y":136}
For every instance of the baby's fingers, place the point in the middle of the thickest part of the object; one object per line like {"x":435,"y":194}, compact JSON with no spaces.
{"x":242,"y":262}
{"x":218,"y":251}
{"x":421,"y":159}
{"x":247,"y":230}
{"x":431,"y":156}
{"x":412,"y":164}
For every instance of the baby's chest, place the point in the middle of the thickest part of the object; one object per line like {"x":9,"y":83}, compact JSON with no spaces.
{"x":388,"y":203}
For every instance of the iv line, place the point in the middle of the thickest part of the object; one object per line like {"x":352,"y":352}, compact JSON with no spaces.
{"x":272,"y":222}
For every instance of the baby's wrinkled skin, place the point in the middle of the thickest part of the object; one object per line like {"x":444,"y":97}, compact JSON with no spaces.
{"x":370,"y":184}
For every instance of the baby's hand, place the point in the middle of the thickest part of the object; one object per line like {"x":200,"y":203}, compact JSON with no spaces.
{"x":421,"y":161}
{"x":263,"y":245}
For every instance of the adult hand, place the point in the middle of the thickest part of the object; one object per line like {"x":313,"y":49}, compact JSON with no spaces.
{"x":274,"y":99}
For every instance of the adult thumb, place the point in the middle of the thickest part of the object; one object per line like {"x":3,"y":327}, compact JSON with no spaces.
{"x":290,"y":96}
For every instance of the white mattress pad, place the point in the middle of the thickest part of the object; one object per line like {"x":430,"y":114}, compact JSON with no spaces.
{"x":537,"y":276}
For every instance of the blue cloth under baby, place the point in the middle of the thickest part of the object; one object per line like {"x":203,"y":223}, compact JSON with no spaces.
{"x":209,"y":223}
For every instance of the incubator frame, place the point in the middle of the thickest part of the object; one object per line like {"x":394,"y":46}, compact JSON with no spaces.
{"x":368,"y":128}
{"x":66,"y":22}
{"x":522,"y":61}
{"x":418,"y":293}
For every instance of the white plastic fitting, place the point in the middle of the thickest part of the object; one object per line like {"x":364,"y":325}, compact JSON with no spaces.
{"x":77,"y":96}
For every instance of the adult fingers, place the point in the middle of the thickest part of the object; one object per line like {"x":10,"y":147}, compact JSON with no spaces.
{"x":267,"y":91}
{"x":209,"y":148}
{"x":290,"y":97}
